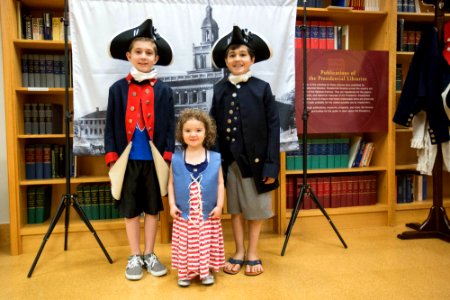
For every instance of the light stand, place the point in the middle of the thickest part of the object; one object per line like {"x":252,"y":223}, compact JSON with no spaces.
{"x":306,"y":188}
{"x":68,"y":198}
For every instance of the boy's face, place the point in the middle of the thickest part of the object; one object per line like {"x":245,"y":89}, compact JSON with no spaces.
{"x":143,"y":56}
{"x":238,"y":60}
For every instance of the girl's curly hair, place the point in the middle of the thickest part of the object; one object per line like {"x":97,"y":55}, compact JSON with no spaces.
{"x":200,"y":115}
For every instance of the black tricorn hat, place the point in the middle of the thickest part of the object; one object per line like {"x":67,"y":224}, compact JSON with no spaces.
{"x":240,"y":36}
{"x":121,"y":43}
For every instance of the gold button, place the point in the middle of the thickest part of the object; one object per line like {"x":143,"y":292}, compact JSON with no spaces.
{"x":230,"y":111}
{"x":433,"y":141}
{"x":234,"y":95}
{"x":238,"y":86}
{"x":152,"y":83}
{"x":233,"y":140}
{"x":129,"y":132}
{"x":149,"y":127}
{"x":130,"y":121}
{"x":228,"y":130}
{"x":228,"y":138}
{"x":232,"y":103}
{"x":234,"y":128}
{"x":132,"y":108}
{"x":229,"y":121}
{"x":147,"y":91}
{"x":134,"y":94}
{"x":149,"y":115}
{"x":256,"y":160}
{"x":147,"y":102}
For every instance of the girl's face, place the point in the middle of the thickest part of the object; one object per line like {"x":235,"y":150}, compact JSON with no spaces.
{"x":239,"y":60}
{"x":194,"y":133}
{"x":143,"y":56}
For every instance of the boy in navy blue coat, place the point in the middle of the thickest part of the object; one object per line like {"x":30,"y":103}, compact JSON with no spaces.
{"x":140,"y":108}
{"x":248,"y":137}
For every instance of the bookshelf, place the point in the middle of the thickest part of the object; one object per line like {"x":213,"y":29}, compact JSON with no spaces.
{"x":89,"y":169}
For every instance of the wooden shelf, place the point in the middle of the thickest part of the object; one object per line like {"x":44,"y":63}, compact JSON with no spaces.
{"x":342,"y":15}
{"x":426,"y":204}
{"x":406,"y":167}
{"x":419,"y":17}
{"x":334,"y":171}
{"x":42,"y":91}
{"x":54,"y":181}
{"x":40,"y":44}
{"x":340,"y":210}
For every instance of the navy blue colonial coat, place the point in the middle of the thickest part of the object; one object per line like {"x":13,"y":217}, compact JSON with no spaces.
{"x":156,"y":101}
{"x":428,"y":76}
{"x":259,"y":124}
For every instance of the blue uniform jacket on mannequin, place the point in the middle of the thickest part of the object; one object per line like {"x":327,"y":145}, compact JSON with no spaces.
{"x":428,"y":76}
{"x":260,"y":128}
{"x":163,"y":114}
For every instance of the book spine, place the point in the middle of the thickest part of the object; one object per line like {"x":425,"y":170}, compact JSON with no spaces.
{"x":41,"y":118}
{"x":31,"y":205}
{"x":27,"y":118}
{"x":47,"y":161}
{"x":30,"y":162}
{"x":47,"y":26}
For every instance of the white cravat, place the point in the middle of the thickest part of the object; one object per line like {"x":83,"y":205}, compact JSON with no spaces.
{"x":235,"y":79}
{"x":140,"y":76}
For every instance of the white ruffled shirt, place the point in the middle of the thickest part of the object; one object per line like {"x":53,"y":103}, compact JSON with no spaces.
{"x":140,"y":76}
{"x":235,"y":79}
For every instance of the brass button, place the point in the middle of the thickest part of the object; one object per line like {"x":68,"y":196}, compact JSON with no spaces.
{"x":147,"y":91}
{"x":234,"y":95}
{"x":134,"y":94}
{"x":149,"y":127}
{"x":147,"y":102}
{"x":256,"y":160}
{"x":228,"y":130}
{"x":129,"y":132}
{"x":233,"y":139}
{"x":227,"y":138}
{"x":152,"y":83}
{"x":130,"y":121}
{"x":433,"y":141}
{"x":232,"y":103}
{"x":230,"y":111}
{"x":234,"y":128}
{"x":238,"y":86}
{"x":229,"y":121}
{"x":149,"y":115}
{"x":132,"y":108}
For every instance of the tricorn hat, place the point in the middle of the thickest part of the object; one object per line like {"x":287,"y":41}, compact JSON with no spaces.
{"x":121,"y":43}
{"x":240,"y":36}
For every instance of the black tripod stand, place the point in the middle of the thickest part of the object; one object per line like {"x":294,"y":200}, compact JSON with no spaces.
{"x":68,"y":199}
{"x":306,"y":188}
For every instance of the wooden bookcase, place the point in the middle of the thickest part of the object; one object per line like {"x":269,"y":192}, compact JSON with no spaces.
{"x":367,"y":31}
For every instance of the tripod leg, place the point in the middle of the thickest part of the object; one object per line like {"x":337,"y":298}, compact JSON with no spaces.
{"x":62,"y":205}
{"x":294,"y":217}
{"x":319,"y":205}
{"x":85,"y":219}
{"x":66,"y":223}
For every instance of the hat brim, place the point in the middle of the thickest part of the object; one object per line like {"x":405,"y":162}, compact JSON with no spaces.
{"x":254,"y":41}
{"x":120,"y":44}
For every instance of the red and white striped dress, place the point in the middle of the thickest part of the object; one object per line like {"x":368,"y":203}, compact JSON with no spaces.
{"x":197,"y":245}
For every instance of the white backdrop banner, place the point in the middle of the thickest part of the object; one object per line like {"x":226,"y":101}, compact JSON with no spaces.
{"x":190,"y":27}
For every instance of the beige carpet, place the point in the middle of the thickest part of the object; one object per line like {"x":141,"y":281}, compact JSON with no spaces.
{"x":376,"y":265}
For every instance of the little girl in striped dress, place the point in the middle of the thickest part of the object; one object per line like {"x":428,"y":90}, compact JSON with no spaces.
{"x":196,"y":196}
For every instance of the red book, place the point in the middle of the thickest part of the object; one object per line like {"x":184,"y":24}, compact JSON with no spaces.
{"x":330,"y":34}
{"x":372,"y":189}
{"x":320,"y":191}
{"x":322,"y":35}
{"x":326,"y":192}
{"x":335,"y":191}
{"x":308,"y":35}
{"x":290,"y":190}
{"x":346,"y":199}
{"x":355,"y":190}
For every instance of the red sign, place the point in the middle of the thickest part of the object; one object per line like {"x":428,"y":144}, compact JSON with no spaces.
{"x":347,"y":91}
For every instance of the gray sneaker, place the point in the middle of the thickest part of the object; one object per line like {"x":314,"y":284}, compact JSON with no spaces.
{"x":208,"y":280}
{"x":154,"y":266}
{"x":134,"y":267}
{"x":184,"y":282}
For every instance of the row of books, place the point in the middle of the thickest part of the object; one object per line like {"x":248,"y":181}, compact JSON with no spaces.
{"x":45,"y":161}
{"x":42,"y":118}
{"x":414,"y":6}
{"x":39,"y":199}
{"x":312,"y":3}
{"x":321,"y":35}
{"x":333,"y":191}
{"x":411,"y":187}
{"x":360,"y":153}
{"x":408,"y":37}
{"x":327,"y":153}
{"x":97,"y":202}
{"x":368,"y":5}
{"x":44,"y":25}
{"x":43,"y":70}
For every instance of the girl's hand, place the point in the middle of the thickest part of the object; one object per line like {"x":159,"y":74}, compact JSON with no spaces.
{"x":175,"y":212}
{"x":268,"y":180}
{"x":216,"y":213}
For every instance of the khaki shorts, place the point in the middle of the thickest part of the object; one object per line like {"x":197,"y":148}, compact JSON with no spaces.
{"x":242,"y":197}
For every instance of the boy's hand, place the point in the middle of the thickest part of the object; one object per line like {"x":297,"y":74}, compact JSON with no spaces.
{"x":175,"y":212}
{"x":268,"y":180}
{"x":216,"y":213}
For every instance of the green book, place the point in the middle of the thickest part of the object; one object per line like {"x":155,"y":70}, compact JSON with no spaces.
{"x":101,"y":201}
{"x":330,"y":153}
{"x":345,"y":149}
{"x":322,"y":153}
{"x":108,"y":202}
{"x":314,"y":154}
{"x":31,"y":205}
{"x":48,"y":201}
{"x":40,"y":204}
{"x":95,"y":208}
{"x":87,"y":201}
{"x":80,"y":197}
{"x":290,"y":157}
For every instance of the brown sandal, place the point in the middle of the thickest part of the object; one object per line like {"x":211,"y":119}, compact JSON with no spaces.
{"x":253,"y":263}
